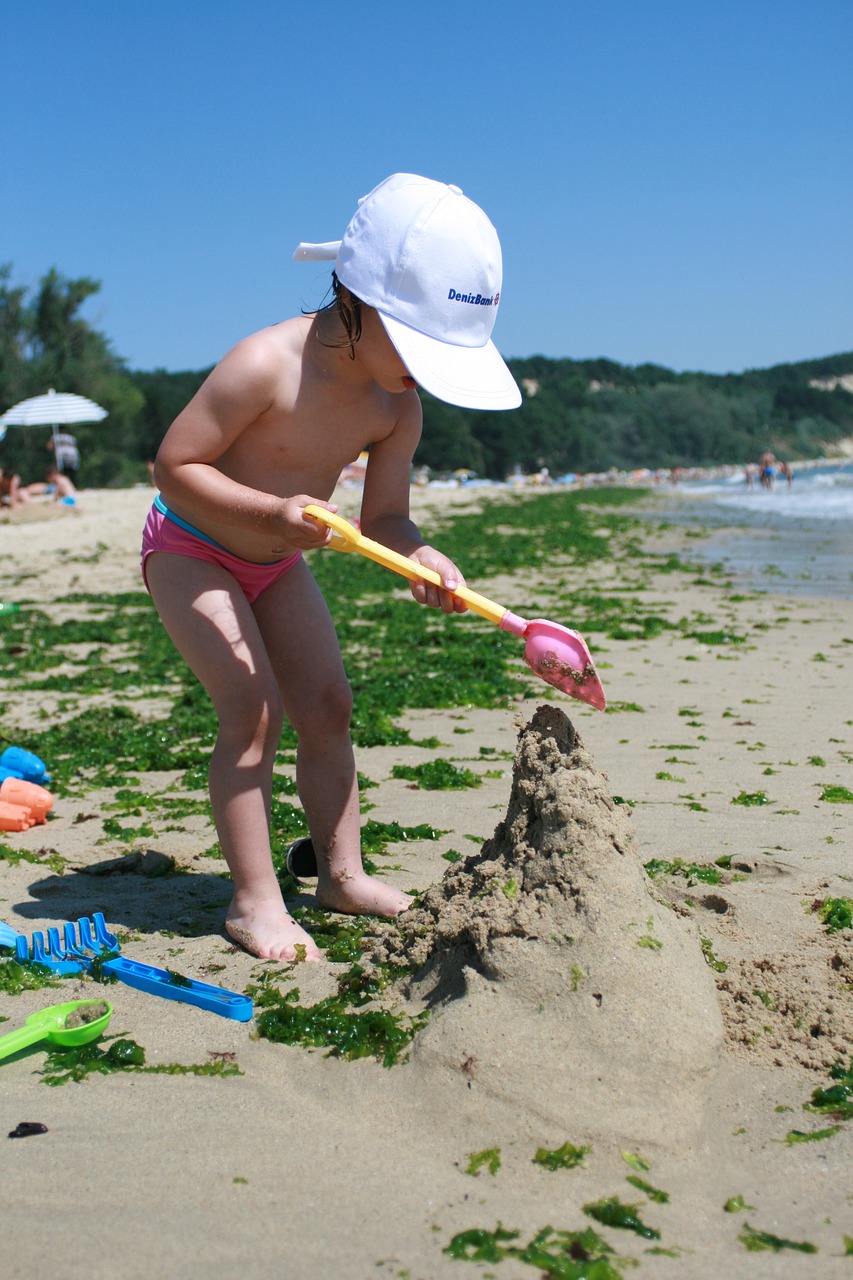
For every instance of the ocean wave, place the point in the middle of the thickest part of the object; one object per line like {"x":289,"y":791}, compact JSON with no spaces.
{"x":816,"y":494}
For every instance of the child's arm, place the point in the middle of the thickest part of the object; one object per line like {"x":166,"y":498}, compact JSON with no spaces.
{"x":236,"y":394}
{"x":385,"y":509}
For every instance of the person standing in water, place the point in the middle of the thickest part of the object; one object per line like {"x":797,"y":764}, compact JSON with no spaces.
{"x":416,"y":287}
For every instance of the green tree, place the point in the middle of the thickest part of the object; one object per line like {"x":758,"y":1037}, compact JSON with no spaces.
{"x":45,"y":343}
{"x":12,"y":339}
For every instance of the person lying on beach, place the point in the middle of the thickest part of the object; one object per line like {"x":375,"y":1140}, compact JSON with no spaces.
{"x":56,"y":486}
{"x":415,"y":287}
{"x":12,"y":492}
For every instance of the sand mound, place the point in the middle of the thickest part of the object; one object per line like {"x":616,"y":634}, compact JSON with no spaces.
{"x":785,"y":986}
{"x":549,"y":938}
{"x":791,"y":1008}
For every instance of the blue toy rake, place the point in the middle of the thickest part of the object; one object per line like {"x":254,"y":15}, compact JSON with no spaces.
{"x":82,"y":944}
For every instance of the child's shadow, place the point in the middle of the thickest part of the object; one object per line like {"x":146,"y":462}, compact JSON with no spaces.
{"x":141,"y":891}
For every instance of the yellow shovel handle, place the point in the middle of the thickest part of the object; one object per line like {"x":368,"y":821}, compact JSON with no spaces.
{"x":347,"y":538}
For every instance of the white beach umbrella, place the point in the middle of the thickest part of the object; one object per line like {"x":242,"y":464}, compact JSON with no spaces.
{"x":55,"y":409}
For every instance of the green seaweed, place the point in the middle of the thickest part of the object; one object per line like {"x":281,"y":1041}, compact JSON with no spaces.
{"x":339,"y":1024}
{"x":756,"y":1241}
{"x":114,"y":830}
{"x":562,"y":1255}
{"x":96,"y":967}
{"x":578,"y":975}
{"x":690,"y":871}
{"x":836,"y":913}
{"x":654,"y":1193}
{"x":719,"y":966}
{"x":437,"y":775}
{"x":78,"y":1063}
{"x":836,"y":1100}
{"x":611,"y":1212}
{"x":339,"y":939}
{"x":50,"y":858}
{"x":16,"y":977}
{"x":63,"y":1065}
{"x":736,"y":1204}
{"x":716,"y":637}
{"x":750,"y":799}
{"x":479,"y":1245}
{"x":635,"y":1161}
{"x":837,"y":795}
{"x":178,"y":979}
{"x":489,"y":1159}
{"x":376,"y":836}
{"x":796,"y":1136}
{"x":568,"y":1156}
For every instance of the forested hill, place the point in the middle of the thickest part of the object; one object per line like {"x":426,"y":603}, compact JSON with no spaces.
{"x":591,"y":415}
{"x":576,"y":416}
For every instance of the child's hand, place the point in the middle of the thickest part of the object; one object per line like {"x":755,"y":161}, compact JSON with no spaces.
{"x":302,"y":531}
{"x":426,"y":593}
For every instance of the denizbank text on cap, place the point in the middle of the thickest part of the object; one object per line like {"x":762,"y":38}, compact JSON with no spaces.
{"x":476,"y":299}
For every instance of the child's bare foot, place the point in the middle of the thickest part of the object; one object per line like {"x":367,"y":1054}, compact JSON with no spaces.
{"x":361,"y":894}
{"x":265,"y":928}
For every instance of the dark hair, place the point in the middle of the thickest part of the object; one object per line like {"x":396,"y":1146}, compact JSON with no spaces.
{"x":348,"y":309}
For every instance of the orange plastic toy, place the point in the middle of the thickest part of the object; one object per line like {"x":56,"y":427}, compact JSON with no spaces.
{"x":14,"y":817}
{"x":28,"y":794}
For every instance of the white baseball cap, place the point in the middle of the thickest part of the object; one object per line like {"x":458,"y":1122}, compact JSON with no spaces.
{"x":429,"y":261}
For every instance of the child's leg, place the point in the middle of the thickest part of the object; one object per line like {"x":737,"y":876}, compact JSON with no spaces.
{"x":300,"y":639}
{"x":214,"y":629}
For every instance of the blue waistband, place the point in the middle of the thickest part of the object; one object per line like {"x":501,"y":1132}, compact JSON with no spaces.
{"x":185,"y":524}
{"x":197,"y":533}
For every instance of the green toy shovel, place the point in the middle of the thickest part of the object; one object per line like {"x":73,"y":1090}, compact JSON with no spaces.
{"x":76,"y":1022}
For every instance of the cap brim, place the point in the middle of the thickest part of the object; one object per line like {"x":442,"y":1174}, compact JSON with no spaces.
{"x":471,"y":377}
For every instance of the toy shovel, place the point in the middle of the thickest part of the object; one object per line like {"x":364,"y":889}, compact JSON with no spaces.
{"x":556,"y":654}
{"x":73,"y":1023}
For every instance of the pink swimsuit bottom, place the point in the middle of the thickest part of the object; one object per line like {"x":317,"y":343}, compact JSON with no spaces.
{"x":164,"y":531}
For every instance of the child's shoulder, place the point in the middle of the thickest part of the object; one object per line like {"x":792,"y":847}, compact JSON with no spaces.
{"x":288,"y":336}
{"x":265,"y":354}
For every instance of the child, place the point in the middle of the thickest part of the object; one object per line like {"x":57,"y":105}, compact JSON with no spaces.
{"x":416,"y":286}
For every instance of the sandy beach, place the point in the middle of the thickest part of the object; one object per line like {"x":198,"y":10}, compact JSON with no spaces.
{"x":674,"y":1025}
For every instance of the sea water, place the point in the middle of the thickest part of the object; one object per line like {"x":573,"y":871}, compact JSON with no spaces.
{"x":795,"y":539}
{"x":818,"y":492}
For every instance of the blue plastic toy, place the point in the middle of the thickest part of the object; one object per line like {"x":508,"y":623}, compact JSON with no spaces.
{"x":19,"y":763}
{"x":9,"y":938}
{"x":89,"y":939}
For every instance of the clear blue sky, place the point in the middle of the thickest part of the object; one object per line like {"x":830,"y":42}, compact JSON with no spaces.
{"x":671,"y":181}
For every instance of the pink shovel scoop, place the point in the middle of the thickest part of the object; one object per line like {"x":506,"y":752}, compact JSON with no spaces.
{"x":556,"y":654}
